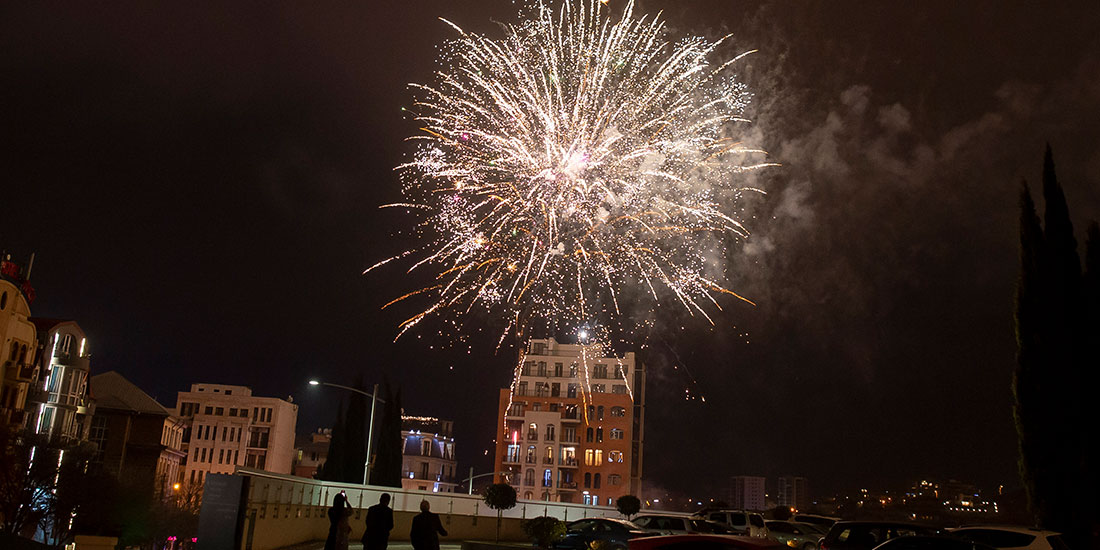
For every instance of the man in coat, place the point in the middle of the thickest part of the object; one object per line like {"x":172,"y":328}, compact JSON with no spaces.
{"x":426,"y":529}
{"x":379,"y":524}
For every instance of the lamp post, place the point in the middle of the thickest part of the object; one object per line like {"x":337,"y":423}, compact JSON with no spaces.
{"x":370,"y":429}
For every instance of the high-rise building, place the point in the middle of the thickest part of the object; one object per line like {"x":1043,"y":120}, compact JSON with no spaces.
{"x":572,"y":425}
{"x":226,"y":427}
{"x":59,"y":405}
{"x":794,"y":492}
{"x":428,"y":459}
{"x":18,"y":344}
{"x":747,"y":492}
{"x":137,"y":439}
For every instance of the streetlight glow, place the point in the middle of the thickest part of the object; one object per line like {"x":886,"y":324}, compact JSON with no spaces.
{"x":314,"y":383}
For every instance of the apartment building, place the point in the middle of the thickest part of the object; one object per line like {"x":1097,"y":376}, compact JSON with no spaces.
{"x":17,"y":348}
{"x":428,"y":456}
{"x":572,"y":425}
{"x":136,"y":438}
{"x":747,"y":492}
{"x":226,"y":427}
{"x":793,"y":492}
{"x":58,"y":403}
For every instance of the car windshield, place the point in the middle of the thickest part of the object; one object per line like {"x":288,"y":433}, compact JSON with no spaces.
{"x":756,"y":520}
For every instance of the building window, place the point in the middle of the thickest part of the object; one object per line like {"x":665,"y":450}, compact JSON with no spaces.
{"x":619,"y":372}
{"x":599,"y":388}
{"x":533,"y":432}
{"x":596,"y":481}
{"x":572,"y":391}
{"x":516,"y":409}
{"x":614,"y":456}
{"x":555,"y":389}
{"x":599,"y":412}
{"x":208,"y":410}
{"x":221,"y":457}
{"x":549,"y":432}
{"x":542,"y":368}
{"x":531,"y":454}
{"x":618,"y":412}
{"x":573,"y":370}
{"x":548,"y":478}
{"x":219,"y":411}
{"x":529,"y":478}
{"x":423,"y":470}
{"x":600,"y":371}
{"x":426,"y":447}
{"x":616,"y":433}
{"x":589,"y":458}
{"x":614,"y":479}
{"x":599,"y":435}
{"x":558,"y":367}
{"x":587,"y":484}
{"x":522,"y":390}
{"x":599,"y":457}
{"x":513,"y":453}
{"x":619,"y":389}
{"x":588,"y":435}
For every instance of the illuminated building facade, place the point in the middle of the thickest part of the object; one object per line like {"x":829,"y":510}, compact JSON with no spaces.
{"x":59,"y":405}
{"x":226,"y":427}
{"x":19,"y":341}
{"x":573,"y":425}
{"x":428,"y":456}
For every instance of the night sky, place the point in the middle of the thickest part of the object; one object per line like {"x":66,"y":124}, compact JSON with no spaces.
{"x":200,"y":185}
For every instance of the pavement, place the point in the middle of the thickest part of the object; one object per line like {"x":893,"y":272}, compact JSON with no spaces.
{"x":318,"y":545}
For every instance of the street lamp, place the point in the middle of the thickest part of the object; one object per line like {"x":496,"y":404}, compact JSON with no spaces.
{"x":370,"y":429}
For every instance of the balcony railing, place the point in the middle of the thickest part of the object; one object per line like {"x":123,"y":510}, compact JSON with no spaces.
{"x":547,"y":460}
{"x":569,"y":485}
{"x":568,"y":462}
{"x":511,"y":459}
{"x":413,"y":474}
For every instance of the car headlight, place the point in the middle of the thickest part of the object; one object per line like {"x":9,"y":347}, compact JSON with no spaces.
{"x":792,"y":543}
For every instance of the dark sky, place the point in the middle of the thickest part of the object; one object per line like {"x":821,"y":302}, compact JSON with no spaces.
{"x":200,"y":183}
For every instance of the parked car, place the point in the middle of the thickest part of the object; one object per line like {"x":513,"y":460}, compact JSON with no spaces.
{"x":796,"y":535}
{"x":826,"y":522}
{"x":616,"y":532}
{"x":676,"y":525}
{"x":1004,"y":536}
{"x":931,"y":542}
{"x":865,"y":535}
{"x":748,"y":523}
{"x":705,"y":542}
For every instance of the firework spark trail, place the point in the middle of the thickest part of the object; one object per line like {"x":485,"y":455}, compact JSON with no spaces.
{"x":581,"y":155}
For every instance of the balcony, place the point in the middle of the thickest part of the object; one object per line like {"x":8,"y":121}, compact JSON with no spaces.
{"x":531,"y":460}
{"x":568,"y":463}
{"x":570,"y":417}
{"x":411,"y":474}
{"x":567,"y":485}
{"x":511,"y":459}
{"x":548,"y":460}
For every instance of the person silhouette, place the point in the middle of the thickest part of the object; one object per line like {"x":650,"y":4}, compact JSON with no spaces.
{"x":338,"y":523}
{"x":379,"y":523}
{"x":426,"y":529}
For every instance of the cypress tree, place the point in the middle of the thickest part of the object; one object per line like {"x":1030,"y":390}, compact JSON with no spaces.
{"x":1027,"y":383}
{"x":333,"y":468}
{"x":388,"y":447}
{"x":1053,"y":355}
{"x":355,"y":422}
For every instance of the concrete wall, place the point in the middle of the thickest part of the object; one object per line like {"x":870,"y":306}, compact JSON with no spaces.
{"x":286,"y":510}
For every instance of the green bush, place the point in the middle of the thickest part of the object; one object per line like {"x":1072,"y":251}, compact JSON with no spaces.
{"x":545,"y":530}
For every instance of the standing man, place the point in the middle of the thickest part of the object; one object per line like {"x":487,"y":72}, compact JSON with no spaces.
{"x":379,"y":524}
{"x":426,"y":529}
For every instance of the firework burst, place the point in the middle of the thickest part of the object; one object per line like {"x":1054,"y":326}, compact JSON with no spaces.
{"x":581,"y":160}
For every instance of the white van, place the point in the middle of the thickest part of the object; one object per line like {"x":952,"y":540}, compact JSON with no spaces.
{"x":749,"y":523}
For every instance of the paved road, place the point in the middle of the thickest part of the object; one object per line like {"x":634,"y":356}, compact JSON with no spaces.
{"x":358,"y":546}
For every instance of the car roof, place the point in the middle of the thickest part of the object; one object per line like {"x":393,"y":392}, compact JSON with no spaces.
{"x":741,"y":540}
{"x":1010,"y":528}
{"x":677,"y":516}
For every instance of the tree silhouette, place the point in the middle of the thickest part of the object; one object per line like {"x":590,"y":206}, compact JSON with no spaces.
{"x":500,"y":497}
{"x":1055,"y":316}
{"x":628,"y":505}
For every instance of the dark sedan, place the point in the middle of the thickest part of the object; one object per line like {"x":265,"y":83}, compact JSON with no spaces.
{"x":615,"y":532}
{"x":865,"y":535}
